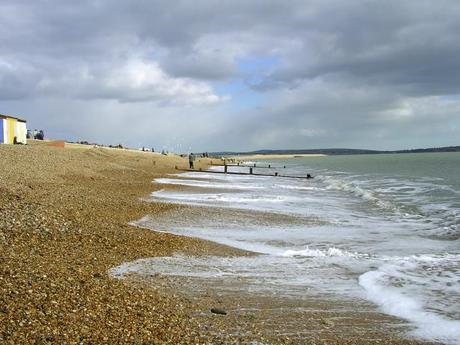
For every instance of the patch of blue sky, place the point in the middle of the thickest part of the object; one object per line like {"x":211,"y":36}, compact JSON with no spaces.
{"x":242,"y":95}
{"x":450,"y":97}
{"x":257,"y":65}
{"x":252,"y":71}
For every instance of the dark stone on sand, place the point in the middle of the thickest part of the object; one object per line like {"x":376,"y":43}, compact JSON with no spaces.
{"x":218,"y":311}
{"x":97,"y":275}
{"x":45,"y":339}
{"x":327,"y":323}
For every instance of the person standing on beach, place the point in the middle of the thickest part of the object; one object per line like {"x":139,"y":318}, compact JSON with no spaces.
{"x":191,"y":159}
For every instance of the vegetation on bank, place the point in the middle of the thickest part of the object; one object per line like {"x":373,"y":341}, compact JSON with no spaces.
{"x":336,"y":151}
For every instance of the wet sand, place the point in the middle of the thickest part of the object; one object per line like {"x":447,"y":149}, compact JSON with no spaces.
{"x":261,"y":314}
{"x":64,"y":223}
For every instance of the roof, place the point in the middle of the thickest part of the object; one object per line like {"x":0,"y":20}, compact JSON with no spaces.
{"x":3,"y":116}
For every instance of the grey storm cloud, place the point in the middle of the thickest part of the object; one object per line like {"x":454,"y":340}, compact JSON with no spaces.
{"x":379,"y":74}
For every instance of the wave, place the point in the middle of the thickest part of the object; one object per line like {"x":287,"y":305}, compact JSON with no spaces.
{"x":332,"y":251}
{"x":343,"y":185}
{"x":223,"y":197}
{"x":204,"y":184}
{"x":414,"y":288}
{"x":300,"y":188}
{"x":408,"y":200}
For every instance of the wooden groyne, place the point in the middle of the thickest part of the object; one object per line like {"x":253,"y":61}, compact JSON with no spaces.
{"x":250,"y":173}
{"x":269,"y":166}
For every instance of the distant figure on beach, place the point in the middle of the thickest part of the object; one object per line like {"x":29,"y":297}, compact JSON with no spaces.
{"x":191,"y":159}
{"x":309,"y":176}
{"x":40,"y":135}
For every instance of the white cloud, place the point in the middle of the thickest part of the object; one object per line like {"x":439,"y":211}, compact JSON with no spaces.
{"x":139,"y":80}
{"x":321,"y":73}
{"x":134,"y":80}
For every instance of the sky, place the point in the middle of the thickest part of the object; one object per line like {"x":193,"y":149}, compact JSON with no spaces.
{"x":235,"y":75}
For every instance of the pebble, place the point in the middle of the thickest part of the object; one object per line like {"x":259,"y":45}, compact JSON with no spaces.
{"x":64,"y":217}
{"x":218,"y":311}
{"x":59,"y":231}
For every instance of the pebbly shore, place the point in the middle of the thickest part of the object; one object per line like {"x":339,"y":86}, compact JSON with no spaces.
{"x":64,"y":215}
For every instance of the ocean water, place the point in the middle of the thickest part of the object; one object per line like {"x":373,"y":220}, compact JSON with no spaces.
{"x":380,"y":228}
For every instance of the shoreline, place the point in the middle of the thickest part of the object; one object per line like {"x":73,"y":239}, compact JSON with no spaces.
{"x":276,"y":156}
{"x":64,"y":218}
{"x":281,"y":319}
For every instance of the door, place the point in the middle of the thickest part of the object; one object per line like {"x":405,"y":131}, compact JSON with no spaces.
{"x":11,"y":129}
{"x":2,"y":131}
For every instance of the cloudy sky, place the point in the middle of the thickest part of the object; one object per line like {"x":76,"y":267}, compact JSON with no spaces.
{"x":235,"y":75}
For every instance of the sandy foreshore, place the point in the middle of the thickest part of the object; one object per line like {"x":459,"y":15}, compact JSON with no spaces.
{"x":276,"y":156}
{"x":64,"y":215}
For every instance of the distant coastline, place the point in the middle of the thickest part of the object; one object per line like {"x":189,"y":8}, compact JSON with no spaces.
{"x":277,"y":156}
{"x":287,"y":153}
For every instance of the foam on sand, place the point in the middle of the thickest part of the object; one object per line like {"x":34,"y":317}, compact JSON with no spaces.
{"x":400,"y":289}
{"x":307,"y":252}
{"x":385,"y":238}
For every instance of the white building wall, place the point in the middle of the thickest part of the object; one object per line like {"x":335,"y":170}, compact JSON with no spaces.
{"x":21,"y":132}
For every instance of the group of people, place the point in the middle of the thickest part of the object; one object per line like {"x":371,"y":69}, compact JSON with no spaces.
{"x":35,"y":134}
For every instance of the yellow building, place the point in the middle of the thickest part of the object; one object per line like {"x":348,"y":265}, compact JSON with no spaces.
{"x":12,"y":130}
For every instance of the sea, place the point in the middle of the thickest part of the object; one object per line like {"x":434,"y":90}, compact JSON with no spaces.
{"x":381,"y":228}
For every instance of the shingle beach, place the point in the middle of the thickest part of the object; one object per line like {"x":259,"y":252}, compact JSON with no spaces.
{"x":64,"y":215}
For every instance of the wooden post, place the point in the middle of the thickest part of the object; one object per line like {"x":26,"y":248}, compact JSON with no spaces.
{"x":250,"y":171}
{"x":269,"y":165}
{"x":276,"y":174}
{"x":225,"y":168}
{"x":254,"y":165}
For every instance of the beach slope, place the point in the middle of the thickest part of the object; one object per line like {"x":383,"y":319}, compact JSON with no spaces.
{"x":64,"y":223}
{"x":64,"y":215}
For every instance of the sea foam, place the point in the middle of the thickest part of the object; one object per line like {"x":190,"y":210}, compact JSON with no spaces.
{"x":375,"y":237}
{"x":409,"y":287}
